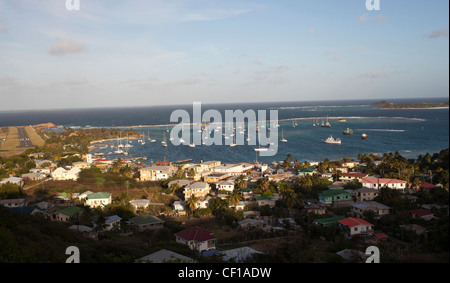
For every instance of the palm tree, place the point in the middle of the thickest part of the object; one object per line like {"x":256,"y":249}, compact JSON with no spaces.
{"x":191,"y":204}
{"x":263,"y":185}
{"x":116,"y":166}
{"x":191,"y":173}
{"x":174,"y":188}
{"x":235,"y":198}
{"x":180,"y":173}
{"x":241,"y":183}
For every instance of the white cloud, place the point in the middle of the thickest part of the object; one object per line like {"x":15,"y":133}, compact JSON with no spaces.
{"x":66,"y":47}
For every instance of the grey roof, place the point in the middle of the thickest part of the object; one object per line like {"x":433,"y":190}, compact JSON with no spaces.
{"x":164,"y":255}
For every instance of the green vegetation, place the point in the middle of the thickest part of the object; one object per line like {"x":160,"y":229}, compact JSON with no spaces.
{"x":389,"y":105}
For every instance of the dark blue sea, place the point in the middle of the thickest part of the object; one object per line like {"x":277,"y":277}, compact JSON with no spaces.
{"x":411,"y":132}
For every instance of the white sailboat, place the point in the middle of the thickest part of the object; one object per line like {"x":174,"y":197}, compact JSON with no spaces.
{"x":234,"y":140}
{"x":282,"y":136}
{"x":163,"y":142}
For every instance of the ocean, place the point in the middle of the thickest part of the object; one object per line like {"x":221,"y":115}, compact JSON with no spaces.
{"x":411,"y":132}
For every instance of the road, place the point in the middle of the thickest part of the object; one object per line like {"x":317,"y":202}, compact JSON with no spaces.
{"x":23,"y":138}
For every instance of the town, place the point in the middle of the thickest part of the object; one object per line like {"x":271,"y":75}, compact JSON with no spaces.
{"x":59,"y":195}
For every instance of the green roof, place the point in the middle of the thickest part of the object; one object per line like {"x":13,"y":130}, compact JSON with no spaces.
{"x":264,"y":198}
{"x":145,"y":219}
{"x":71,"y":211}
{"x":99,"y":195}
{"x":246,"y":190}
{"x":331,"y":193}
{"x":329,"y":220}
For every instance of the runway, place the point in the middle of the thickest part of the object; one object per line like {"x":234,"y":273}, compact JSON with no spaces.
{"x":23,"y":138}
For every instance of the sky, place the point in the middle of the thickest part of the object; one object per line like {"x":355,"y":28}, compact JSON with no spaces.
{"x":165,"y":52}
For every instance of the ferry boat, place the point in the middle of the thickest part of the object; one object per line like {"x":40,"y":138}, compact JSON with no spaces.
{"x":348,"y":132}
{"x":331,"y":140}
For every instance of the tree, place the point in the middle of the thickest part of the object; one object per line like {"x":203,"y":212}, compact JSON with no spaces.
{"x":235,"y":197}
{"x":174,"y":188}
{"x":180,"y":173}
{"x":241,"y":183}
{"x":191,"y":204}
{"x":191,"y":173}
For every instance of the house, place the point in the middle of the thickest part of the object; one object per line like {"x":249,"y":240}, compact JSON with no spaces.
{"x":378,"y":183}
{"x":422,"y":213}
{"x":307,"y":172}
{"x":34,"y":176}
{"x":208,"y":165}
{"x":353,"y":176}
{"x":332,"y":196}
{"x":81,"y":165}
{"x":165,"y":256}
{"x":156,"y":173}
{"x":145,"y":222}
{"x":329,"y":221}
{"x":247,"y":193}
{"x":67,"y":214}
{"x":84,"y":195}
{"x":140,"y":203}
{"x":265,"y":200}
{"x":215,"y":177}
{"x":112,"y":222}
{"x":363,"y":194}
{"x":225,"y":185}
{"x":204,"y":202}
{"x":180,"y":207}
{"x":197,"y":239}
{"x":414,"y":227}
{"x":197,"y":189}
{"x":428,"y":186}
{"x":181,"y":183}
{"x":355,"y":226}
{"x":379,"y":210}
{"x":61,"y":174}
{"x":239,"y":206}
{"x":99,"y":199}
{"x":317,"y":209}
{"x":13,"y":180}
{"x":10,"y":203}
{"x":239,"y":255}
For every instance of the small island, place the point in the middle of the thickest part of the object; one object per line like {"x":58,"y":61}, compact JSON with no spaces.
{"x":418,"y":105}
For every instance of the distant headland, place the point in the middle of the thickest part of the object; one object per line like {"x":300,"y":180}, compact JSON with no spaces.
{"x":417,"y":105}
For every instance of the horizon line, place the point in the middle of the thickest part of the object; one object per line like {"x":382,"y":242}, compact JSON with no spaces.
{"x":212,"y":103}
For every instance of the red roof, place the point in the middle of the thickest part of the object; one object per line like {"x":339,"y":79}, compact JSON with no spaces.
{"x":357,"y":175}
{"x":428,"y":186}
{"x":421,"y":212}
{"x":373,"y":180}
{"x":162,"y":163}
{"x":381,"y":236}
{"x":352,"y":222}
{"x":195,"y":233}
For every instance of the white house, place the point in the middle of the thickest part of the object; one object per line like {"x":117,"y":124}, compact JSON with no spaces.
{"x":355,"y":226}
{"x":156,"y":173}
{"x":61,"y":174}
{"x":198,"y":189}
{"x":378,"y":183}
{"x":225,"y":185}
{"x":140,"y":203}
{"x":99,"y":199}
{"x":13,"y":180}
{"x":196,"y":238}
{"x":378,"y":209}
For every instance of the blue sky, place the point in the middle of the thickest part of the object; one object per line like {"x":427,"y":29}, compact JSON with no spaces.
{"x":146,"y":52}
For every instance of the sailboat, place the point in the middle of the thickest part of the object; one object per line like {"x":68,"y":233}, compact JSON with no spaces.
{"x":326,"y":124}
{"x":314,"y":123}
{"x":234,"y":140}
{"x":259,"y":146}
{"x":282,"y":136}
{"x":163,"y":142}
{"x":151,"y":140}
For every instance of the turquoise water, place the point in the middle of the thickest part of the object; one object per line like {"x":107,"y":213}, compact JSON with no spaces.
{"x":410,"y":132}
